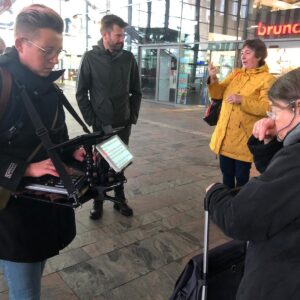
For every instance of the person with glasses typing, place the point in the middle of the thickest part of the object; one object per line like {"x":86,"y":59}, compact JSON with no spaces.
{"x":266,"y":211}
{"x":31,"y":231}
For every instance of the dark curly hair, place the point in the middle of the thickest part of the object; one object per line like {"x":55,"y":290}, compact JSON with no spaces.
{"x":259,"y":48}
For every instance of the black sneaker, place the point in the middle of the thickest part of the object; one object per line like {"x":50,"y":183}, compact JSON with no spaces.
{"x":97,"y":210}
{"x":124,"y":209}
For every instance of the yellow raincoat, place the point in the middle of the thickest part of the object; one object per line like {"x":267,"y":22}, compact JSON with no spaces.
{"x":236,"y":121}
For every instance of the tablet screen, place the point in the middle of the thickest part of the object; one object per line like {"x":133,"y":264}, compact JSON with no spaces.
{"x":115,"y":152}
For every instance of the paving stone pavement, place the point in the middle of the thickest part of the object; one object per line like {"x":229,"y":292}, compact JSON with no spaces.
{"x":141,"y":257}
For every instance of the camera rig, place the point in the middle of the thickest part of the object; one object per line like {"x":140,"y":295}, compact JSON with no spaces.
{"x":91,"y":179}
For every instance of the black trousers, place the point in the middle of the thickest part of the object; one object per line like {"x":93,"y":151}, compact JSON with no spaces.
{"x":235,"y":172}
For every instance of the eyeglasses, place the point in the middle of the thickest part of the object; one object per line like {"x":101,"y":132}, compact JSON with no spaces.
{"x":50,"y":52}
{"x":275,"y":110}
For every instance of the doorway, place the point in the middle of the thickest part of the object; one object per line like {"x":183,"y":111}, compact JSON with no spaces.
{"x":159,"y":69}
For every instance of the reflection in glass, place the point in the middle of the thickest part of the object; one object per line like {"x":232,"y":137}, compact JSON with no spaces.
{"x":167,"y":79}
{"x":148,"y":73}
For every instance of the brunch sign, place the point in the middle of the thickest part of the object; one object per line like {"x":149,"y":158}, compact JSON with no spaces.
{"x":281,"y":29}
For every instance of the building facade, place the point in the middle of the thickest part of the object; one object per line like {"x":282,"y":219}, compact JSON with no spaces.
{"x":173,"y":40}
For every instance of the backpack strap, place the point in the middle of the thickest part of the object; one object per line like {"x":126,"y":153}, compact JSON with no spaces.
{"x":5,"y":90}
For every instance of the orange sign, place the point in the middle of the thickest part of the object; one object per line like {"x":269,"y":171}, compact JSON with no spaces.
{"x":282,"y":29}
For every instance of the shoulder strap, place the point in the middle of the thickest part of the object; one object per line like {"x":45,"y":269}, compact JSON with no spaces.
{"x":5,"y":90}
{"x":71,"y":110}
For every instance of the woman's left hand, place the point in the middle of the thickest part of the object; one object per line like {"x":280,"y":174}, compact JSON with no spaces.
{"x":234,"y":99}
{"x":79,"y":154}
{"x":209,"y":187}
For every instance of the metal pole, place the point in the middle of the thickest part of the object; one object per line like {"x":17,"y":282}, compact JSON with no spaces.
{"x":205,"y":255}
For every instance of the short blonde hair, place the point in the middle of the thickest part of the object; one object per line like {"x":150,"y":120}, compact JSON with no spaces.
{"x":37,"y":16}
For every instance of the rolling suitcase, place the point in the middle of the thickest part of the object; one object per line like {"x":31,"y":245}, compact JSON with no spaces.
{"x":213,"y":275}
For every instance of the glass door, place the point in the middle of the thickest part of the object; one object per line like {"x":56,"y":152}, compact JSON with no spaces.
{"x":167,"y":74}
{"x":148,"y":70}
{"x":158,"y":68}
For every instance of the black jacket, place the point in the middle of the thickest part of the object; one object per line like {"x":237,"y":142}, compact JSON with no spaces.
{"x":108,"y":88}
{"x":30,"y":230}
{"x":266,"y":212}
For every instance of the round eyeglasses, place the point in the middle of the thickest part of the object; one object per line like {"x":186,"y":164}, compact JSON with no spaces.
{"x":49,"y":53}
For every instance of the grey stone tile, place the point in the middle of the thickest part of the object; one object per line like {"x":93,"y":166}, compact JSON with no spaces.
{"x":141,"y":233}
{"x":65,"y":260}
{"x":148,"y":287}
{"x":53,"y":287}
{"x":92,"y":278}
{"x":103,"y":245}
{"x":178,"y":219}
{"x":86,"y":238}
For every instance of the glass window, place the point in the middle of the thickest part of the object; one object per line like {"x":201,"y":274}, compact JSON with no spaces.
{"x":218,"y":29}
{"x":205,"y":3}
{"x":122,"y":12}
{"x":231,"y":21}
{"x":115,"y":5}
{"x":232,"y":7}
{"x":204,"y":15}
{"x":188,"y":31}
{"x":243,"y":12}
{"x":158,"y":10}
{"x":188,"y":11}
{"x":175,"y":23}
{"x":219,"y":19}
{"x":175,"y":9}
{"x":139,"y":18}
{"x":204,"y":28}
{"x":219,"y":5}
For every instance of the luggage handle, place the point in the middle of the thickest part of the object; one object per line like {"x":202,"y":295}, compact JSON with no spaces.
{"x":205,"y":250}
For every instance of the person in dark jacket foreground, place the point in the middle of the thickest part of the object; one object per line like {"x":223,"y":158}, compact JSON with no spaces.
{"x":266,"y":211}
{"x":108,"y":92}
{"x":31,"y":231}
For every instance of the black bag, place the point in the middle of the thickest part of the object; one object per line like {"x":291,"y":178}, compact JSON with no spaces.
{"x":212,"y":112}
{"x":226,"y":266}
{"x":215,"y":274}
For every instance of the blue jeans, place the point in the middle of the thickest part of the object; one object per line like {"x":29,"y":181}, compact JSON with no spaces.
{"x":235,"y":172}
{"x":23,"y":279}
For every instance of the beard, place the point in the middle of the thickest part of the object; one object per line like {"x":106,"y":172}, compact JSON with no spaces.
{"x":116,"y":46}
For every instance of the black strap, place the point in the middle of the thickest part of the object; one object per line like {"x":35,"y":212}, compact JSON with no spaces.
{"x":5,"y":90}
{"x":71,"y":110}
{"x":43,"y":134}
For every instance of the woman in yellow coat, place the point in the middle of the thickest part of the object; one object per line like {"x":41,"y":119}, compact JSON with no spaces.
{"x":245,"y":101}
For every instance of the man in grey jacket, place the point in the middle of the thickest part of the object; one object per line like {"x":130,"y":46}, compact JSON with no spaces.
{"x":108,"y":92}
